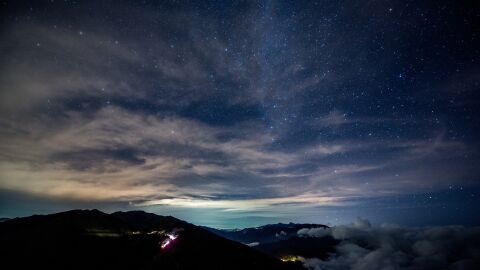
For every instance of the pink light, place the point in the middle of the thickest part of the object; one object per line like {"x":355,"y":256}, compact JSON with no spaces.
{"x":166,"y":243}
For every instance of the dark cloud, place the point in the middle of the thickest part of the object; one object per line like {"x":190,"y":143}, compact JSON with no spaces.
{"x":364,"y":246}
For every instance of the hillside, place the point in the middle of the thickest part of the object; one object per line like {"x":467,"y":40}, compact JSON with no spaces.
{"x":90,"y":239}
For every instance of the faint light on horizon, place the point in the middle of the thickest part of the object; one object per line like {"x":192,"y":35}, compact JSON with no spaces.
{"x":248,"y":204}
{"x":291,"y":258}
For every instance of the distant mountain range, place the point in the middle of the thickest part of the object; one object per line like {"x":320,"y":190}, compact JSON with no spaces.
{"x":90,"y":239}
{"x":3,"y":219}
{"x":282,"y":240}
{"x":264,"y":234}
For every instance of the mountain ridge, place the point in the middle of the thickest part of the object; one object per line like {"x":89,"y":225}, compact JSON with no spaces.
{"x":80,"y":239}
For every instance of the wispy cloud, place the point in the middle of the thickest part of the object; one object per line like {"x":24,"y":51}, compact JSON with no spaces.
{"x":120,"y":154}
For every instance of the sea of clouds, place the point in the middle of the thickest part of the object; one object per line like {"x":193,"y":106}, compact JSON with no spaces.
{"x":388,"y":247}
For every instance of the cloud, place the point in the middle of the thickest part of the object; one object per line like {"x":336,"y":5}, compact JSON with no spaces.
{"x":364,"y":246}
{"x":333,"y":119}
{"x":116,"y":153}
{"x":313,"y":232}
{"x":159,"y":160}
{"x":48,"y":64}
{"x":61,"y":62}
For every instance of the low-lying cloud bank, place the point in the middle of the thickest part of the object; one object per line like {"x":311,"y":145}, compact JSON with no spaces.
{"x":386,"y":247}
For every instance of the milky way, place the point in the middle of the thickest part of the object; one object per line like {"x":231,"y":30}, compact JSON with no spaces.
{"x":242,"y":113}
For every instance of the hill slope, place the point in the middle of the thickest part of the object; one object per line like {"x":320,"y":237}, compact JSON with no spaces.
{"x":282,"y":240}
{"x":264,"y":234}
{"x":90,"y":239}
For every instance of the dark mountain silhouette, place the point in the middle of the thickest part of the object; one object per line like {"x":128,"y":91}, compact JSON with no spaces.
{"x":282,"y":240}
{"x":4,"y":219}
{"x":147,"y":221}
{"x":300,"y":246}
{"x":264,"y":234}
{"x":90,"y":239}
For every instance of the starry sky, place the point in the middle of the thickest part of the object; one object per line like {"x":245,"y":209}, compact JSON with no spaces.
{"x":235,"y":114}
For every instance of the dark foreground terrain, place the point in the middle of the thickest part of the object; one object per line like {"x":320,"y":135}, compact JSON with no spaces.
{"x":90,"y":239}
{"x":282,"y":240}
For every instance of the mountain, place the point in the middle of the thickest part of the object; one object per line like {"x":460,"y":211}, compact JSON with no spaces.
{"x":282,"y":240}
{"x":90,"y":239}
{"x":300,"y":246}
{"x":264,"y":234}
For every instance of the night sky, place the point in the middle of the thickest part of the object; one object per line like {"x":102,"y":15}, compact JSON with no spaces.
{"x":235,"y":114}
